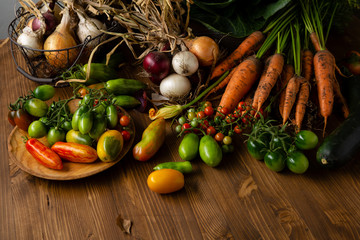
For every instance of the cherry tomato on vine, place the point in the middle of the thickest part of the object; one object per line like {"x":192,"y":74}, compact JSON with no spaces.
{"x":126,"y":135}
{"x":224,"y":111}
{"x":207,"y":104}
{"x":182,"y":120}
{"x":178,"y":128}
{"x":124,"y":121}
{"x":227,"y":140}
{"x":229,"y":118}
{"x":209,"y":111}
{"x":186,"y":126}
{"x":11,"y":116}
{"x":23,"y":119}
{"x":201,"y":115}
{"x":210,"y":131}
{"x":237,"y":129}
{"x":275,"y":160}
{"x":227,"y":148}
{"x":219,"y":136}
{"x":306,"y":140}
{"x":194,"y":123}
{"x":297,"y":162}
{"x":257,"y":147}
{"x":241,"y":106}
{"x":37,"y":129}
{"x":191,"y":115}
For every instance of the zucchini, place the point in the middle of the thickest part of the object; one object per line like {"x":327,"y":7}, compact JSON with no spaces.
{"x":126,"y":101}
{"x":99,"y":72}
{"x":122,"y":86}
{"x":343,"y":143}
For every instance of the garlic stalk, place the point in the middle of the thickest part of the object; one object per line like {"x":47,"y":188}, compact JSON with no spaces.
{"x":89,"y":27}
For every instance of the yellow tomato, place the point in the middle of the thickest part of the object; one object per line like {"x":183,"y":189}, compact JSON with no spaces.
{"x":165,"y":181}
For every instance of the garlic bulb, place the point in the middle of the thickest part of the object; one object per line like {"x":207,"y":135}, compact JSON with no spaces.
{"x":89,"y":27}
{"x":31,"y":39}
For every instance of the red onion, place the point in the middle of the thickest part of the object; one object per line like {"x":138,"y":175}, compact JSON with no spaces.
{"x":50,"y":22}
{"x":158,"y":65}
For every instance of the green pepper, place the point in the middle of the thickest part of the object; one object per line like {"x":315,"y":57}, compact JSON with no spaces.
{"x":98,"y":127}
{"x":189,"y":147}
{"x":112,"y":116}
{"x":210,"y":151}
{"x":126,"y":101}
{"x":86,"y":121}
{"x":184,"y":167}
{"x":99,"y":72}
{"x":122,"y":86}
{"x":75,"y":119}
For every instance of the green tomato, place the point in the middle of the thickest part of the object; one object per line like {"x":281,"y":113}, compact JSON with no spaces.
{"x":182,"y":120}
{"x":210,"y":151}
{"x":112,"y":116}
{"x":227,"y":148}
{"x":191,"y":115}
{"x":55,"y":135}
{"x":36,"y":107}
{"x":275,"y":160}
{"x":37,"y":129}
{"x":178,"y":128}
{"x":297,"y":162}
{"x":282,"y":143}
{"x":44,"y":92}
{"x":189,"y":147}
{"x":306,"y":140}
{"x":191,"y":110}
{"x":86,"y":122}
{"x":77,"y":137}
{"x":257,"y":148}
{"x":227,"y":140}
{"x":194,"y":123}
{"x":66,"y":126}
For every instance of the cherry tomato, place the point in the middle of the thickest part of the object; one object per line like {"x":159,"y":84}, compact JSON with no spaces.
{"x":191,"y":115}
{"x":182,"y":120}
{"x":186,"y":126}
{"x":83,"y":92}
{"x":219,"y":136}
{"x":37,"y":129}
{"x":165,"y":181}
{"x":210,"y":131}
{"x":124,"y":121}
{"x":36,"y":107}
{"x":126,"y":135}
{"x":275,"y":160}
{"x":194,"y":123}
{"x":23,"y":119}
{"x":237,"y":129}
{"x":11,"y":116}
{"x":201,"y":115}
{"x":207,"y":104}
{"x":209,"y":111}
{"x":241,"y":106}
{"x":227,"y":140}
{"x":297,"y":162}
{"x":178,"y":128}
{"x":306,"y":140}
{"x":224,"y":111}
{"x":229,"y":118}
{"x":55,"y":135}
{"x":236,"y":114}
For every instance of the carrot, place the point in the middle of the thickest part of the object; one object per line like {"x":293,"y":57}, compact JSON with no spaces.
{"x":307,"y":64}
{"x":287,"y":74}
{"x":271,"y":74}
{"x":248,"y":46}
{"x":223,"y":83}
{"x":315,"y":41}
{"x":338,"y":93}
{"x":292,"y":89}
{"x":300,"y":108}
{"x":324,"y":68}
{"x":241,"y":82}
{"x":263,"y":75}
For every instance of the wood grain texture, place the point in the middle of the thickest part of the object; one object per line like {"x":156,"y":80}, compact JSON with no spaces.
{"x":240,"y":199}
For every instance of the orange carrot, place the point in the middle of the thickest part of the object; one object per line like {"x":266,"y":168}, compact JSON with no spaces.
{"x":241,"y":82}
{"x":315,"y":41}
{"x":276,"y":64}
{"x":223,"y":83}
{"x":307,"y":64}
{"x":292,"y":89}
{"x":300,"y":108}
{"x":248,"y":46}
{"x":263,"y":75}
{"x":324,"y":68}
{"x":287,"y":74}
{"x":338,"y":93}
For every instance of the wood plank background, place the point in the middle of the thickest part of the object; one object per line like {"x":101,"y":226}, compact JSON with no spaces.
{"x":240,"y":199}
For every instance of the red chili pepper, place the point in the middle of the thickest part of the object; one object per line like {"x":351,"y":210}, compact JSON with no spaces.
{"x":75,"y":152}
{"x":43,"y":154}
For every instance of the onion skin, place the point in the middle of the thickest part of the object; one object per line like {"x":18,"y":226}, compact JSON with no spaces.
{"x":205,"y":49}
{"x":175,"y":86}
{"x":185,"y":63}
{"x":60,"y":39}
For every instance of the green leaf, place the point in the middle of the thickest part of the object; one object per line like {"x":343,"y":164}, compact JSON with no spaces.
{"x":234,"y":17}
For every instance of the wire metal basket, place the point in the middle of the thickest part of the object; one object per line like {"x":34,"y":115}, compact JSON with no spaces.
{"x":41,"y":68}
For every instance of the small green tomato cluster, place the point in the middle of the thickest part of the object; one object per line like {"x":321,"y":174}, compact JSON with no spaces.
{"x":280,"y":149}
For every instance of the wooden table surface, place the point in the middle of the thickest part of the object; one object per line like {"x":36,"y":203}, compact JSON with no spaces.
{"x":239,"y":199}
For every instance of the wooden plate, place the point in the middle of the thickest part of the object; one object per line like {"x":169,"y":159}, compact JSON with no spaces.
{"x":70,"y":171}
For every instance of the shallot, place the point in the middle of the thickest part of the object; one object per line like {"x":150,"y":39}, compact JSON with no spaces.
{"x":175,"y":86}
{"x":185,"y":63}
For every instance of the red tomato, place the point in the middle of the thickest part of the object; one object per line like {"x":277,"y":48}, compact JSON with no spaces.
{"x":43,"y":154}
{"x":23,"y":119}
{"x":209,"y":111}
{"x":241,"y":106}
{"x":210,"y":131}
{"x":219,"y":136}
{"x":186,"y":126}
{"x":237,"y":129}
{"x":224,"y":111}
{"x":229,"y":118}
{"x":75,"y":152}
{"x":236,"y":114}
{"x":126,"y":135}
{"x":208,"y":104}
{"x":124,"y":121}
{"x":201,"y":115}
{"x":11,"y":116}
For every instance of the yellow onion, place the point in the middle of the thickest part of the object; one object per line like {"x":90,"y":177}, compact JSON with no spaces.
{"x":60,"y":39}
{"x":205,"y":49}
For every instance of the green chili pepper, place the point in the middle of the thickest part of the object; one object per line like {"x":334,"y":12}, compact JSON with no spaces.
{"x":184,"y":167}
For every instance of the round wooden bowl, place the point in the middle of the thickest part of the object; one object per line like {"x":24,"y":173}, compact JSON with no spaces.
{"x":25,"y":161}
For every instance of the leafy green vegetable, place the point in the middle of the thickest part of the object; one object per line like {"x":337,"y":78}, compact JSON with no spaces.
{"x":235,"y":17}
